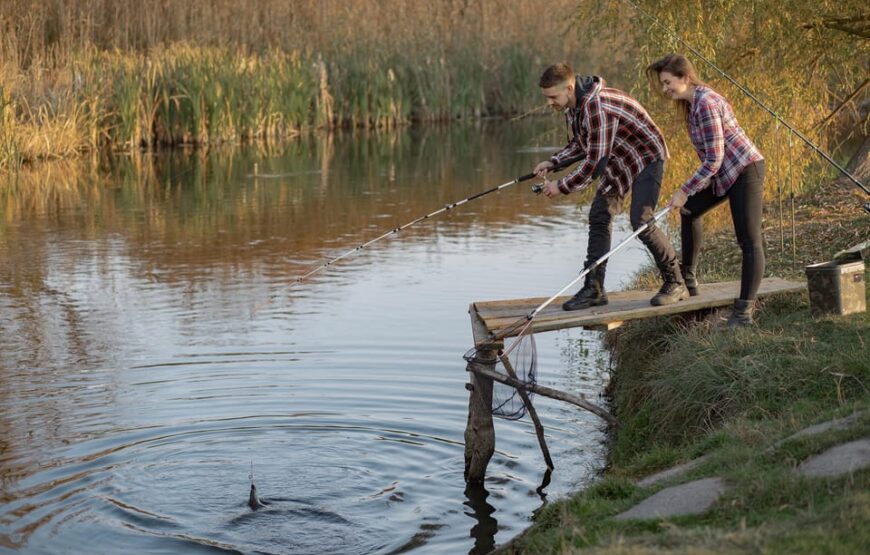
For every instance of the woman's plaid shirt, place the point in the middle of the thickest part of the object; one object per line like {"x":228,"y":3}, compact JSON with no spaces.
{"x":721,"y":144}
{"x":607,"y":123}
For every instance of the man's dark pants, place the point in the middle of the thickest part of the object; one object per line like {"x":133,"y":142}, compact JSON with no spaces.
{"x":644,"y":196}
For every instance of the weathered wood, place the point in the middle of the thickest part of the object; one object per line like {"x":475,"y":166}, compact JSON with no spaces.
{"x":533,"y":414}
{"x":479,"y":430}
{"x":545,"y":391}
{"x":604,"y":327}
{"x":498,"y":316}
{"x":490,"y":320}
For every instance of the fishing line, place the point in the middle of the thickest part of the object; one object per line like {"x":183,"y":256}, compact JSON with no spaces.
{"x":562,"y":165}
{"x":528,"y":113}
{"x":748,"y":93}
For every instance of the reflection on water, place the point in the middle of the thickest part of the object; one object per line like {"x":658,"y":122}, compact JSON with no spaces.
{"x":143,"y":373}
{"x":485,"y":527}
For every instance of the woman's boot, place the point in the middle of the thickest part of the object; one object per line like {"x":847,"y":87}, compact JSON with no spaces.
{"x":689,"y":279}
{"x":592,"y":293}
{"x":741,"y":314}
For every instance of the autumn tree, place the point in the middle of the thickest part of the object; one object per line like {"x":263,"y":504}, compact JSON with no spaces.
{"x":808,"y":60}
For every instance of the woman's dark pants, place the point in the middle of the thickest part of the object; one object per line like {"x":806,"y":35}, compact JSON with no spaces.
{"x":745,"y":199}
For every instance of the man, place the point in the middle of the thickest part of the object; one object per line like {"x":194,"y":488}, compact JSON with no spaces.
{"x":623,"y":148}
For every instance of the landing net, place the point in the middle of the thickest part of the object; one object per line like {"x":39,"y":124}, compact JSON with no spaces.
{"x":517,"y":361}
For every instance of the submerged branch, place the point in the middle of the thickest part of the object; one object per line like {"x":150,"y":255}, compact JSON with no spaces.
{"x":545,"y":391}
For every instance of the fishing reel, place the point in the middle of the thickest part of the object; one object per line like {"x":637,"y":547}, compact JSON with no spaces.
{"x":538,"y":188}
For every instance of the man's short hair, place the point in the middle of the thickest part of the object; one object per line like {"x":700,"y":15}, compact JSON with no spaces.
{"x":556,"y":74}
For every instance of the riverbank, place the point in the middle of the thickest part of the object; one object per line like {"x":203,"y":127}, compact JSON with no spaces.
{"x":727,"y":402}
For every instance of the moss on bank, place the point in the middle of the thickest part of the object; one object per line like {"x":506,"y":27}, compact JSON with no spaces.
{"x":687,"y":387}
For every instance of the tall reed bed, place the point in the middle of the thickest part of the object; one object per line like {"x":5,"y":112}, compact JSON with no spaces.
{"x":190,"y":95}
{"x":183,"y":94}
{"x":34,"y":31}
{"x":88,"y":73}
{"x":79,"y":74}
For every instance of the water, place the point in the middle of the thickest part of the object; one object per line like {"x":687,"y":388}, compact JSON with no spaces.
{"x":153,"y":348}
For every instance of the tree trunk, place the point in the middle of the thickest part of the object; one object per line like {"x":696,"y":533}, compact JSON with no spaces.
{"x":859,"y":165}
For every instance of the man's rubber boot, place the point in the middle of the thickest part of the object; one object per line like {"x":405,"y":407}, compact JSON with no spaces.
{"x":592,"y":293}
{"x":673,"y":290}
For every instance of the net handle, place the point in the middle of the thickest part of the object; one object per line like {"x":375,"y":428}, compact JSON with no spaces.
{"x":659,"y":215}
{"x":526,"y":321}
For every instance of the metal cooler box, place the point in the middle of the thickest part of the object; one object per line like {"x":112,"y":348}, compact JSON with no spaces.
{"x":837,"y":287}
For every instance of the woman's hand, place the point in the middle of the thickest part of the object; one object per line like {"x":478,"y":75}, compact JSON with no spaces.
{"x":679,"y":199}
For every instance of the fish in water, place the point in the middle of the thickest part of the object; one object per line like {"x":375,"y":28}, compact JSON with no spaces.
{"x":255,"y":502}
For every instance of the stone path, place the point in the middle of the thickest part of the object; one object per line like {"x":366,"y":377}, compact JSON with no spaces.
{"x":836,"y":461}
{"x":835,"y":424}
{"x":693,"y":498}
{"x":698,"y":496}
{"x":673,"y":472}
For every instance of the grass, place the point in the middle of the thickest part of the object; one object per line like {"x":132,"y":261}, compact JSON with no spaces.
{"x":686,"y":388}
{"x":691,"y":378}
{"x":766,"y":508}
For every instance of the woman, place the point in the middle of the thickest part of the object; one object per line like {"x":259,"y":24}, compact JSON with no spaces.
{"x":731,"y":168}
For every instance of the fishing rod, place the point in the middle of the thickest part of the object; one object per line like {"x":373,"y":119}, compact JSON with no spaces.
{"x":562,"y":165}
{"x":526,"y":321}
{"x":748,"y":93}
{"x":441,"y":210}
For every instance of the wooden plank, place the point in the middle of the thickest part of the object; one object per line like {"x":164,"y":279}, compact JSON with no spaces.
{"x":497,"y":316}
{"x":514,"y":308}
{"x":605,"y":327}
{"x":716,"y":294}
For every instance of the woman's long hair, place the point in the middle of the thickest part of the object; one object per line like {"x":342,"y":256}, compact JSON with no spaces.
{"x":679,"y":66}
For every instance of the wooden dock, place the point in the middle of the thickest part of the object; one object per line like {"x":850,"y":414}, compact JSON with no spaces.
{"x":497,"y":316}
{"x":491,"y":319}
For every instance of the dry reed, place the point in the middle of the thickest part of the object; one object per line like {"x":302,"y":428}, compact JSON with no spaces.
{"x":77,"y":75}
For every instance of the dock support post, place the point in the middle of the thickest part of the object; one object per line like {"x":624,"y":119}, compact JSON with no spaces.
{"x":479,"y":431}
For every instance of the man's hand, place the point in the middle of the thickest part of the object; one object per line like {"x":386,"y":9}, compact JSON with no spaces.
{"x":542,"y":168}
{"x":551,"y":189}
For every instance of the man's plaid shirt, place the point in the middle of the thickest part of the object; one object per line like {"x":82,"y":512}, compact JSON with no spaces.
{"x":608,"y":123}
{"x":721,"y":144}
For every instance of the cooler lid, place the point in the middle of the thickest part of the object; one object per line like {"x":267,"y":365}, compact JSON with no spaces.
{"x":855,"y":252}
